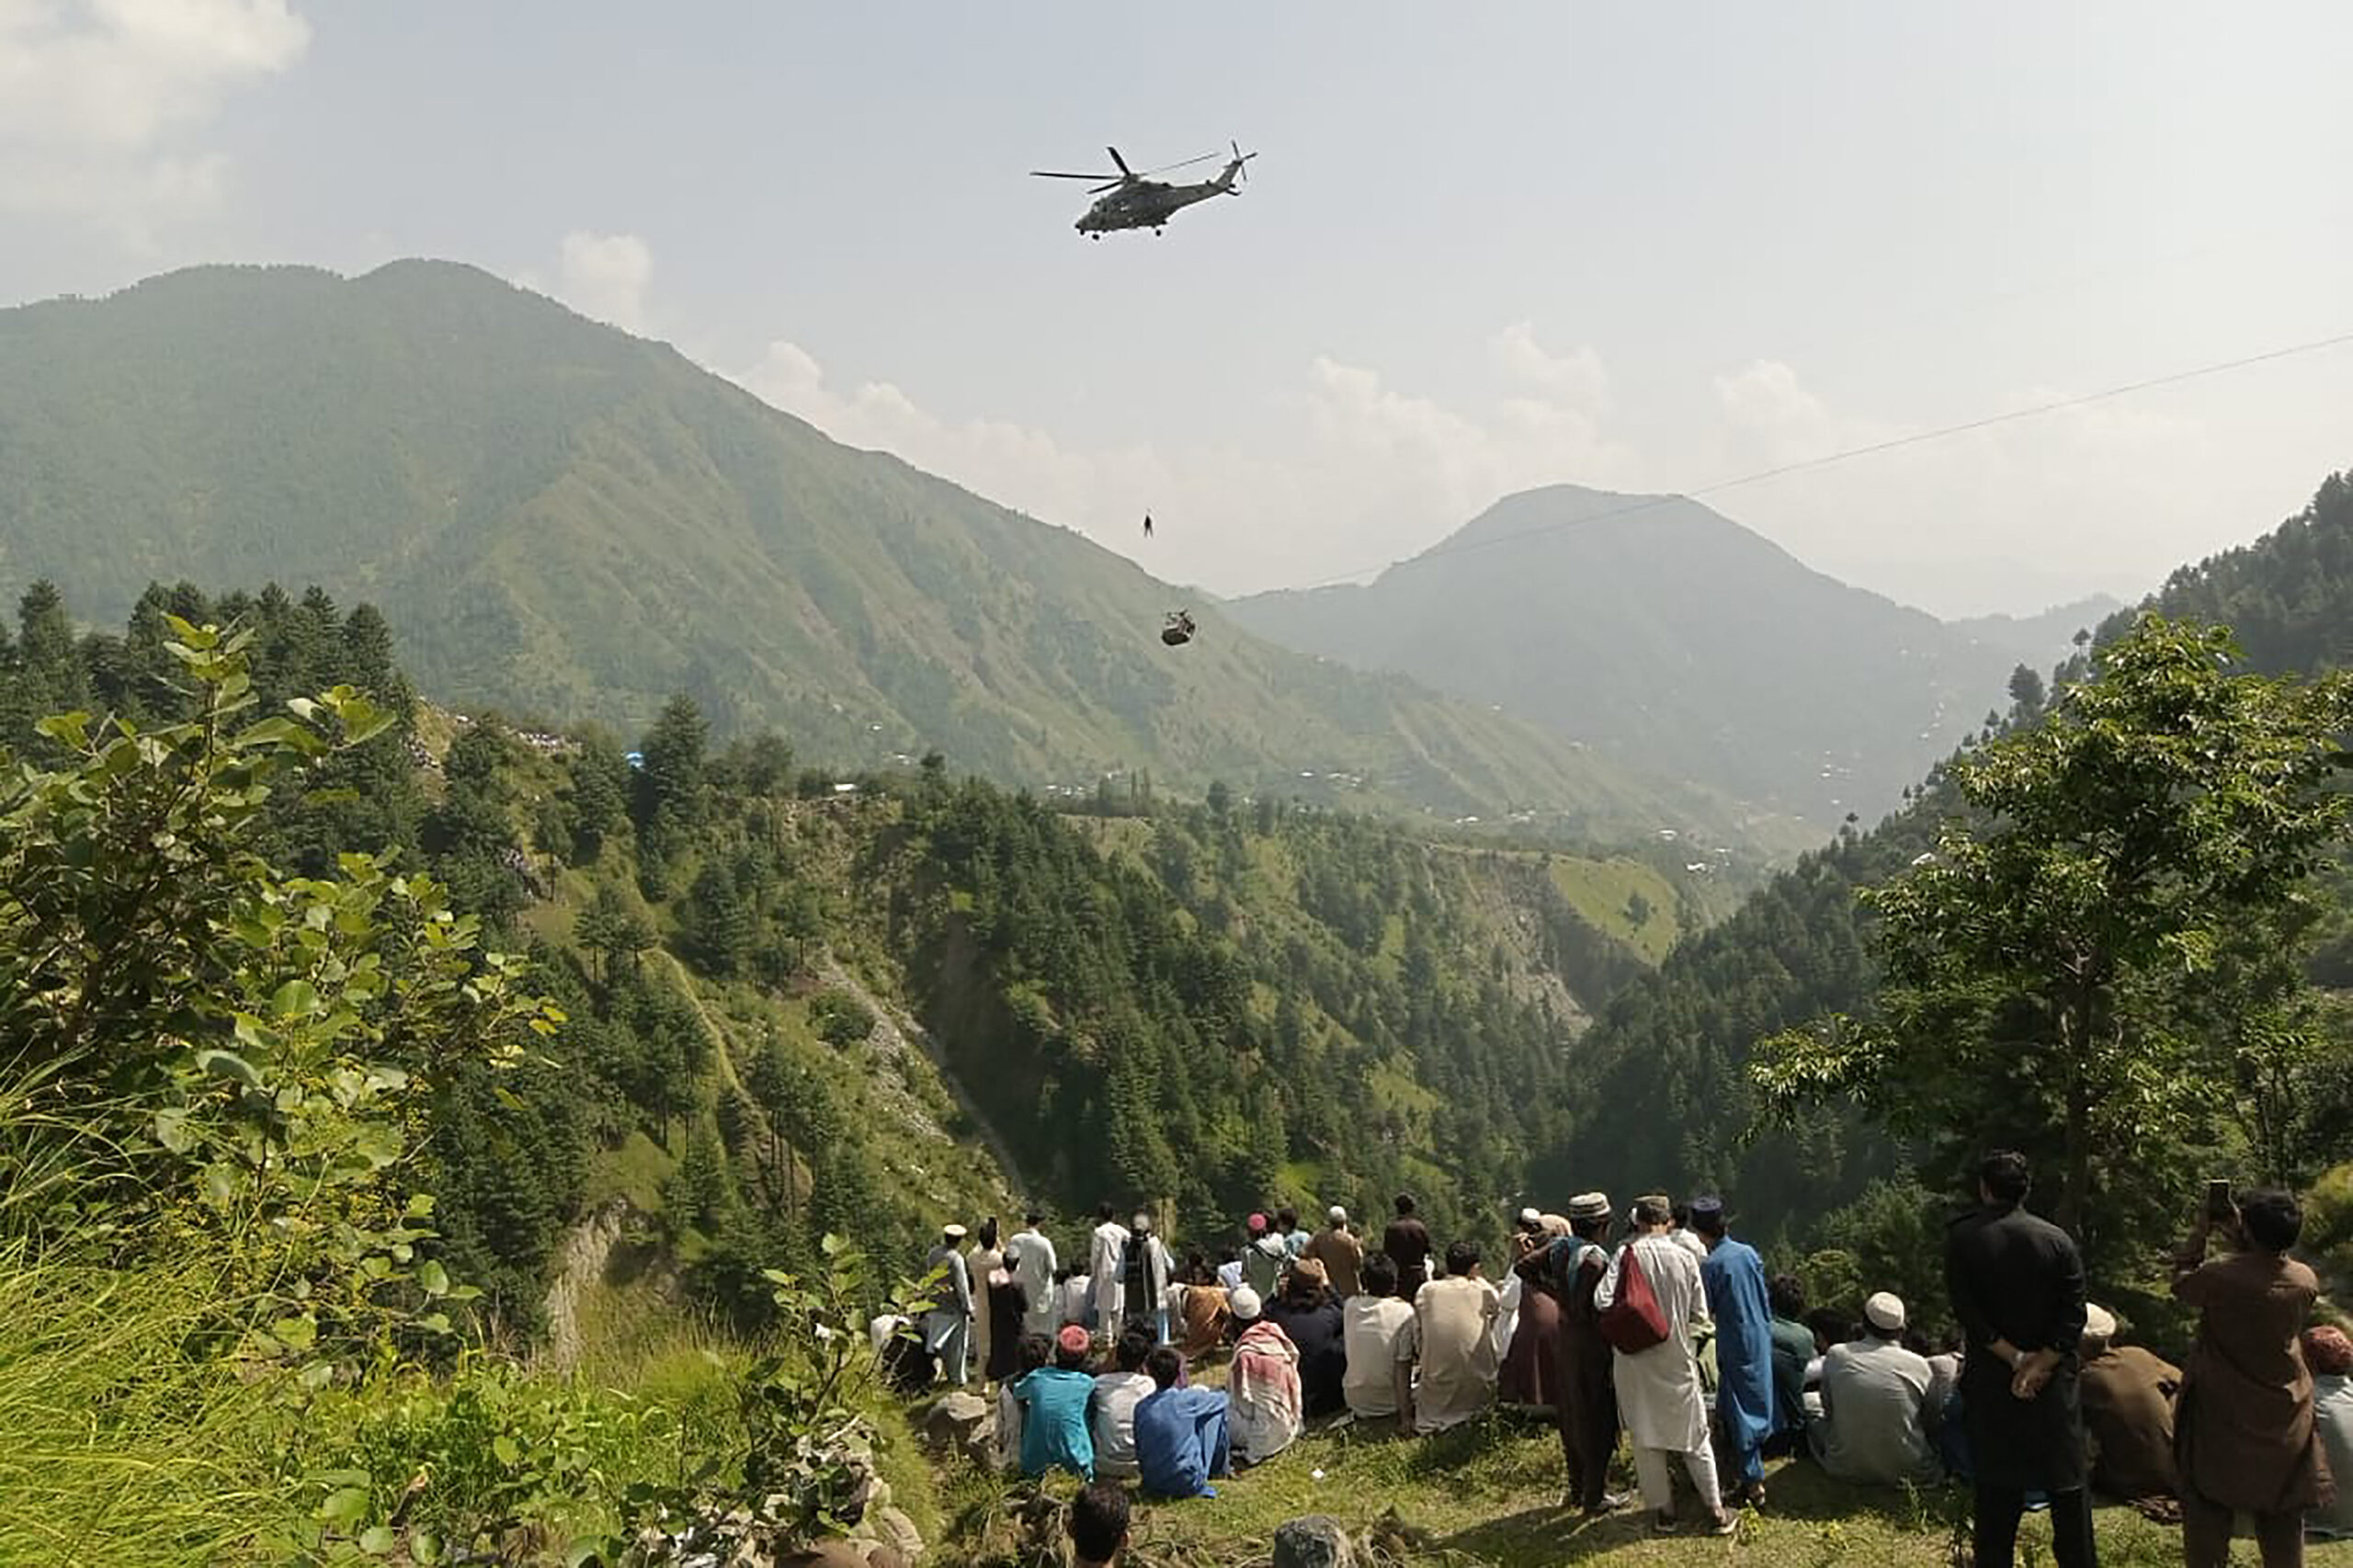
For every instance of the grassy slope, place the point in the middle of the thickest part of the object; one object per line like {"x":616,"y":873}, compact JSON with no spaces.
{"x":1602,"y":891}
{"x":1490,"y":1494}
{"x":572,"y":523}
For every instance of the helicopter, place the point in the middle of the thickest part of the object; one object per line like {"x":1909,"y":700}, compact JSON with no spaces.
{"x":1132,"y":200}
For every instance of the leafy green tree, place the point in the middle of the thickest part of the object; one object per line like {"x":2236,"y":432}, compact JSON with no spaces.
{"x":670,"y":786}
{"x":2097,"y":966}
{"x":717,"y":921}
{"x":2027,"y":694}
{"x":612,"y":933}
{"x":472,"y":835}
{"x":234,"y":1061}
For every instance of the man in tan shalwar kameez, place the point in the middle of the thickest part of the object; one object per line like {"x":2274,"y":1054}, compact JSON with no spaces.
{"x":2243,"y":1435}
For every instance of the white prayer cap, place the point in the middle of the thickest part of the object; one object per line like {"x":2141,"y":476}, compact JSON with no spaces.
{"x":1142,"y":1222}
{"x":1245,"y":1303}
{"x":1531,"y":1217}
{"x":2099,"y":1327}
{"x":1885,"y":1311}
{"x":1337,"y":1215}
{"x":954,"y":1232}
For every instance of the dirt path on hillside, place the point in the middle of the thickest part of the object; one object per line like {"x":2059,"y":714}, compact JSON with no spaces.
{"x":727,"y":1073}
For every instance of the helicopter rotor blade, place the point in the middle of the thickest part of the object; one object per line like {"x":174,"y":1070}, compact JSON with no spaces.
{"x":1056,"y":174}
{"x":1186,"y":164}
{"x":1121,"y":161}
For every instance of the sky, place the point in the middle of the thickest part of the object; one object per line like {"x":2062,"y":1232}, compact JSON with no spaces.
{"x":1632,"y":246}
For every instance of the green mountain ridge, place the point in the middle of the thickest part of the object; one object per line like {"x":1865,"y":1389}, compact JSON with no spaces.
{"x":1656,"y":629}
{"x":1668,"y":1057}
{"x":569,"y":523}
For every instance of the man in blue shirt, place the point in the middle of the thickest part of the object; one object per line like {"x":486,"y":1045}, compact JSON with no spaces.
{"x":1734,"y":1277}
{"x":1053,"y":1410}
{"x":1180,"y":1432}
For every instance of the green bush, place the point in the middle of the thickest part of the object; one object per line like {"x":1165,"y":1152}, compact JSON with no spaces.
{"x":488,"y":1460}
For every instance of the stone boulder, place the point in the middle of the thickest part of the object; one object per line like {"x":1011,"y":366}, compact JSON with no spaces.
{"x":1315,"y":1541}
{"x":898,"y":1532}
{"x":961,"y":1422}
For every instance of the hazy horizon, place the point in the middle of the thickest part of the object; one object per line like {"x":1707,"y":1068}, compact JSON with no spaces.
{"x":1477,"y":255}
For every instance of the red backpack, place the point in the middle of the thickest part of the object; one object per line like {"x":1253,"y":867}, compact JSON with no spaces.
{"x":1633,"y":1320}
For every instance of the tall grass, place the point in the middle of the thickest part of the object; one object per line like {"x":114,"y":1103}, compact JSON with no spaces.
{"x":116,"y":1445}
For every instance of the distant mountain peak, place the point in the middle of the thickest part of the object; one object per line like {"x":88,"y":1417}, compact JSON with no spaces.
{"x":1661,"y":628}
{"x":569,"y":523}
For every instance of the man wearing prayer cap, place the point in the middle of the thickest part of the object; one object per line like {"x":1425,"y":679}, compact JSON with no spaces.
{"x":1053,"y":1401}
{"x":1568,"y":1270}
{"x":1145,"y":1270}
{"x":1265,"y":1409}
{"x":1339,"y":1252}
{"x":948,"y":1327}
{"x":1874,"y":1426}
{"x":1266,"y":1258}
{"x":1733,"y":1277}
{"x":2128,"y":1396}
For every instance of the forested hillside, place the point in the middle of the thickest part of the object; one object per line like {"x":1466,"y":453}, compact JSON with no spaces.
{"x":571,"y":524}
{"x":1670,"y":637}
{"x":1210,"y":1007}
{"x":1662,"y":1086}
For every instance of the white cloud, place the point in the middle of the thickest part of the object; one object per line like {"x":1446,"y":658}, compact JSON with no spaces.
{"x":1347,"y":471}
{"x":1357,"y":474}
{"x":605,"y":278}
{"x":1577,"y":380}
{"x":99,"y":100}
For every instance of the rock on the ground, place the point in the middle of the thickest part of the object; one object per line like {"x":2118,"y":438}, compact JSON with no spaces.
{"x":1315,"y":1541}
{"x":963,"y":1423}
{"x":899,"y":1533}
{"x":842,"y":1554}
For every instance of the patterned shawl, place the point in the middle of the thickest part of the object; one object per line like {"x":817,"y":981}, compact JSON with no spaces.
{"x":1266,"y":1368}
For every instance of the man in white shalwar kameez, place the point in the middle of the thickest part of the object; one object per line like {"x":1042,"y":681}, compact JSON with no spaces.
{"x":1107,"y":1260}
{"x":1659,"y":1397}
{"x":1035,"y":1270}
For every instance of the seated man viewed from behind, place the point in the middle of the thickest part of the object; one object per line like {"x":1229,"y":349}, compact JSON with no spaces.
{"x":2330,"y":1356}
{"x":1873,"y":1425}
{"x":2127,"y":1396}
{"x":1112,"y":1411}
{"x":1371,"y":1322}
{"x":1180,"y":1433}
{"x":1054,"y":1402}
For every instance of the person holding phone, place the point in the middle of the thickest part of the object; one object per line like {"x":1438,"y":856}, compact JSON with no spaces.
{"x":2243,"y":1435}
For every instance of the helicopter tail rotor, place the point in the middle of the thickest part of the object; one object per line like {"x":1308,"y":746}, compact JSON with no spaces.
{"x":1235,"y":171}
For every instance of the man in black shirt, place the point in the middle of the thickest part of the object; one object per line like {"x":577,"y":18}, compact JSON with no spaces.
{"x":2017,"y":1292}
{"x":1407,"y":1240}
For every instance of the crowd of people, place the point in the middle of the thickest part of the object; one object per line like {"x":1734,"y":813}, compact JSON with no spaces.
{"x":1661,"y":1326}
